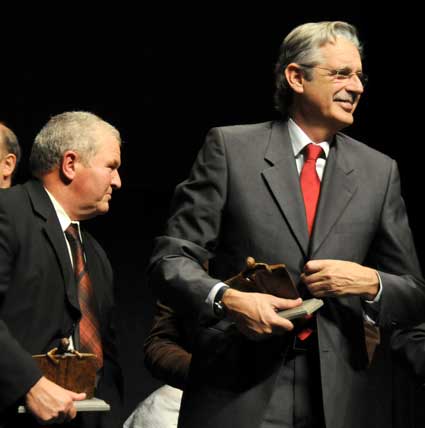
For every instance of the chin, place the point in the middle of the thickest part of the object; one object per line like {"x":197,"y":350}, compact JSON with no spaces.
{"x":103,"y":209}
{"x":348,"y":121}
{"x":344,"y":120}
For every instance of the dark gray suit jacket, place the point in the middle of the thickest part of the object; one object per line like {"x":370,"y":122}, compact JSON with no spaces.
{"x":243,"y":198}
{"x":38,"y":295}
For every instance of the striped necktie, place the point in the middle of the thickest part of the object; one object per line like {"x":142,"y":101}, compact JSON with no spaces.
{"x":90,"y":340}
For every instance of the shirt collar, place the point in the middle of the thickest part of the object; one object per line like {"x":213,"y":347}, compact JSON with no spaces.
{"x":63,"y":217}
{"x":299,"y":139}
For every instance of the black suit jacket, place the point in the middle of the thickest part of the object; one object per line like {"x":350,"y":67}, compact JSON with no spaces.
{"x":243,"y":198}
{"x":409,"y":349}
{"x":38,"y":296}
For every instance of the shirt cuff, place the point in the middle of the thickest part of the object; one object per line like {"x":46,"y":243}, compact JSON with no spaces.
{"x":371,"y":307}
{"x":211,"y":296}
{"x":378,"y":296}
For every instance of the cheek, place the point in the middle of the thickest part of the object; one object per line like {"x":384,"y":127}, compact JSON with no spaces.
{"x":96,"y":186}
{"x":104,"y":182}
{"x":324,"y":100}
{"x":102,"y":179}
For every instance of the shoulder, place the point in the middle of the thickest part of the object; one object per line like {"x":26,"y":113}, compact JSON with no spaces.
{"x":17,"y":219}
{"x":241,"y":138}
{"x":13,"y":195}
{"x":243,"y":132}
{"x":363,"y":155}
{"x":226,"y":141}
{"x":15,"y":203}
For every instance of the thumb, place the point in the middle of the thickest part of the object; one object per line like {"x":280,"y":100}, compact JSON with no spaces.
{"x":78,"y":396}
{"x":281,"y":304}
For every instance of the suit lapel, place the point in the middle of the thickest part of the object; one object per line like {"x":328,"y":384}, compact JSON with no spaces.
{"x":43,"y":208}
{"x":338,"y":187}
{"x":283,"y":182}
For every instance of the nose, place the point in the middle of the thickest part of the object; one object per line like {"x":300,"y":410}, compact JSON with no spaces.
{"x":355,"y":84}
{"x":116,"y":179}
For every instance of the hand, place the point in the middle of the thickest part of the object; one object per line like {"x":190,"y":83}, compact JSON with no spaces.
{"x":333,"y":278}
{"x":50,"y":403}
{"x":255,"y":313}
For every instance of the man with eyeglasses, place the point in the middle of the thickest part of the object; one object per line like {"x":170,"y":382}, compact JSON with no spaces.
{"x":300,"y":192}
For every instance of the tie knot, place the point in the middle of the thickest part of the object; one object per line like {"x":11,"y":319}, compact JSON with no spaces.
{"x":312,"y":152}
{"x":72,"y":232}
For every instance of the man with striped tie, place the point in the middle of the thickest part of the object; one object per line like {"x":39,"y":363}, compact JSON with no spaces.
{"x":55,"y":279}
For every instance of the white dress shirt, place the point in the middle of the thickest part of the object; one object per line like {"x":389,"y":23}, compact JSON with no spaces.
{"x":65,"y":221}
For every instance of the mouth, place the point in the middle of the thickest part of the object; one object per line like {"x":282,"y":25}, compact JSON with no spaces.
{"x":347,"y":105}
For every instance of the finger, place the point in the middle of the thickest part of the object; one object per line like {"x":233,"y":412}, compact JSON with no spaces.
{"x":313,"y":266}
{"x":280,"y":303}
{"x":311,"y":278}
{"x":78,"y":396}
{"x":321,"y":289}
{"x":58,"y":419}
{"x":72,"y":413}
{"x":281,"y":325}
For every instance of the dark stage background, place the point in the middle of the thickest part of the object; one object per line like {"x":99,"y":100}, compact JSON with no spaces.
{"x":163,"y":82}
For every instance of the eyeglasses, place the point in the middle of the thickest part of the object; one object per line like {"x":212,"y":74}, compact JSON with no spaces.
{"x":341,"y":74}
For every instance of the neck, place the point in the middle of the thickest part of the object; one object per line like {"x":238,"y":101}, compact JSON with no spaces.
{"x":316,"y":132}
{"x":5,"y":182}
{"x":61,"y":192}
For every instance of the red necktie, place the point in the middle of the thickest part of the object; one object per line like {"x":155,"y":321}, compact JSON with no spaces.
{"x":90,"y":340}
{"x":310,"y":183}
{"x":310,"y":186}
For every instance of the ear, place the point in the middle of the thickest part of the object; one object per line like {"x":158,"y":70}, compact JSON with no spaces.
{"x":68,"y":164}
{"x":9,"y":165}
{"x":295,"y":76}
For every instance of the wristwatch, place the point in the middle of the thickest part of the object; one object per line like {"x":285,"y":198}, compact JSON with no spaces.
{"x":219,"y":308}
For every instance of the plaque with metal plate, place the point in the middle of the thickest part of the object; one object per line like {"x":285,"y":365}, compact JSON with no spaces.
{"x":90,"y":405}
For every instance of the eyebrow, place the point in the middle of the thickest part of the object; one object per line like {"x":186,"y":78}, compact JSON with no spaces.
{"x":115,"y":163}
{"x":348,"y":69}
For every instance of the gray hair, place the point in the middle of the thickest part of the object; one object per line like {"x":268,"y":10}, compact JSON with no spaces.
{"x":76,"y":130}
{"x":9,"y":143}
{"x":301,"y":46}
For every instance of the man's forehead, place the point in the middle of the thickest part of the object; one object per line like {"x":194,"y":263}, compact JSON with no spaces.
{"x":109,"y":146}
{"x":342,"y":51}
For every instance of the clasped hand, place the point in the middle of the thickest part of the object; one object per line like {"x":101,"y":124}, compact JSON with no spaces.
{"x":333,"y":278}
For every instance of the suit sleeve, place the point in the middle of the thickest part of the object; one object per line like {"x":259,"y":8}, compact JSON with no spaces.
{"x":393,"y":254}
{"x":409,"y":346}
{"x":176,"y":271}
{"x":18,"y":371}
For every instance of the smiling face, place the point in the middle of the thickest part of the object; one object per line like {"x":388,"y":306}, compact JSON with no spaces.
{"x":326,"y":102}
{"x":95,"y":179}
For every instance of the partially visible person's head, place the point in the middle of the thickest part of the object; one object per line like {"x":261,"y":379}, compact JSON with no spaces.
{"x":77,"y":155}
{"x":329,"y":52}
{"x":10,"y":154}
